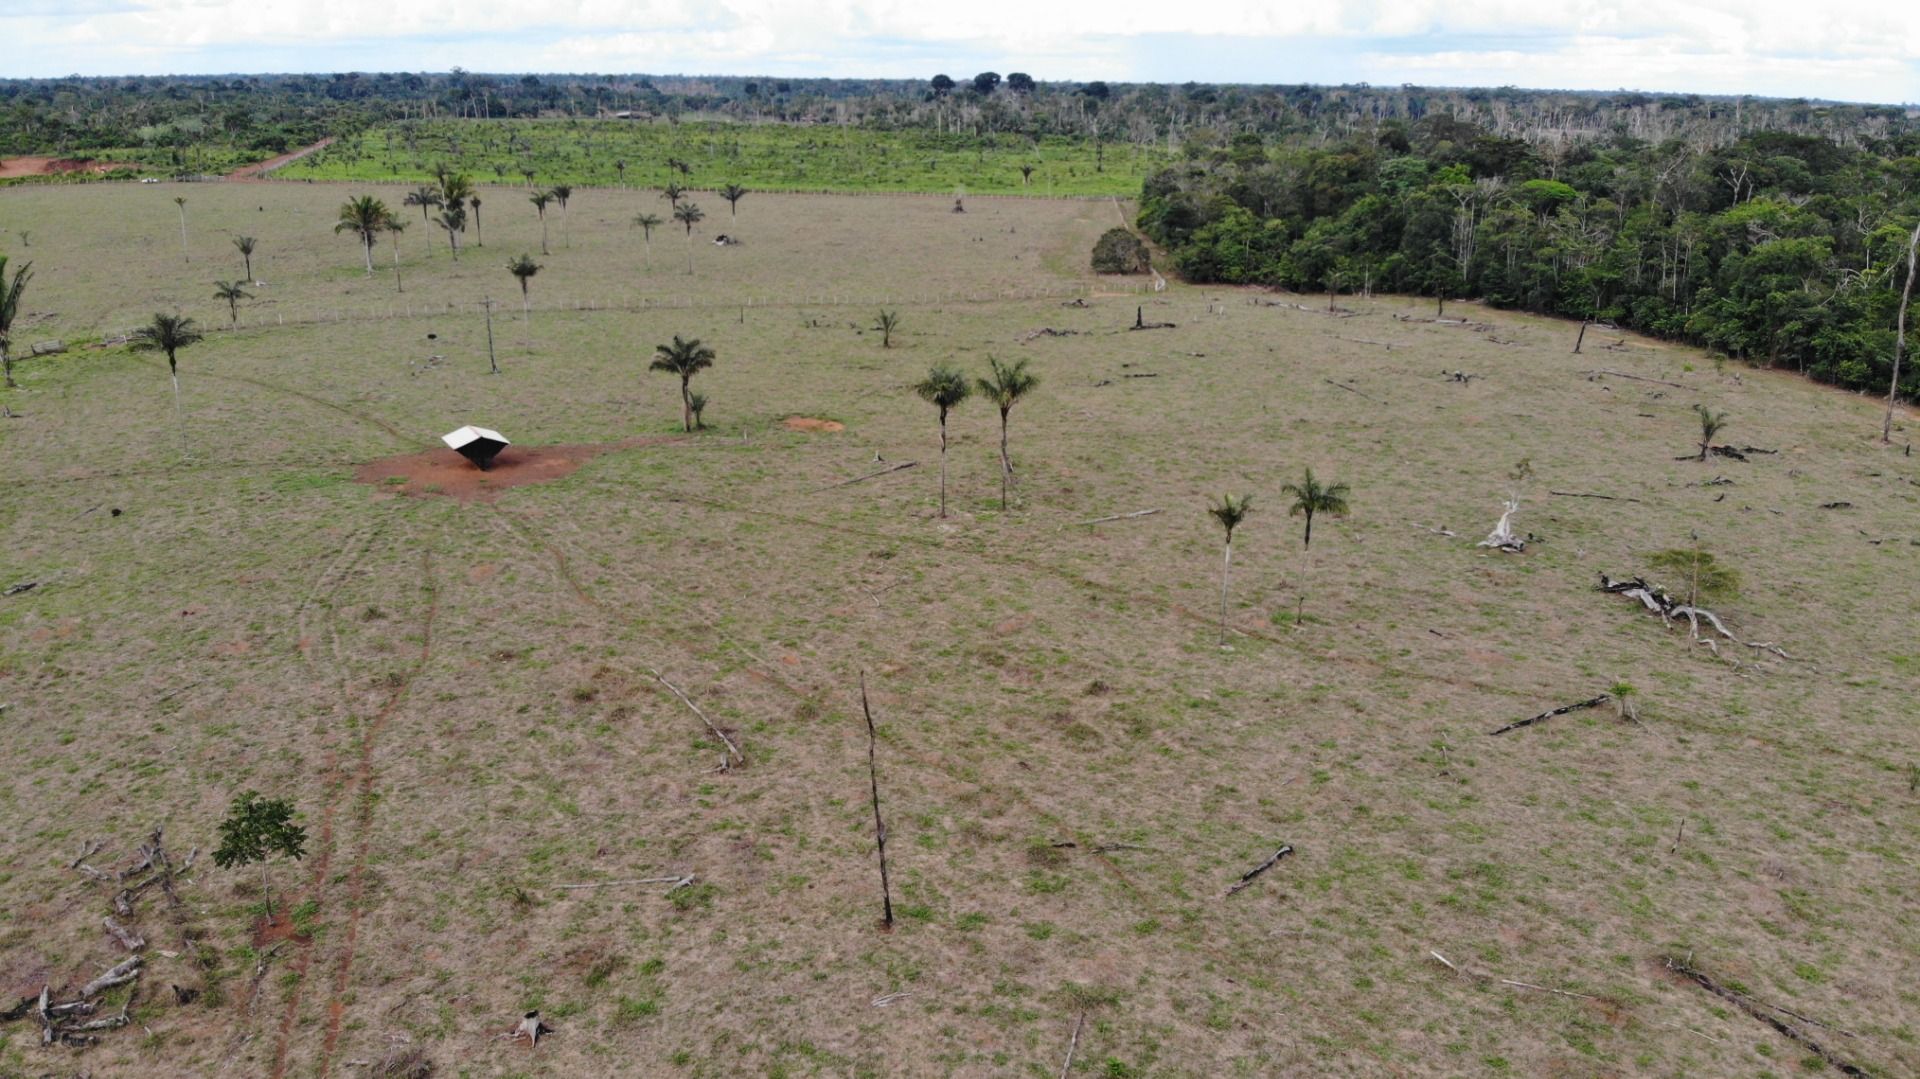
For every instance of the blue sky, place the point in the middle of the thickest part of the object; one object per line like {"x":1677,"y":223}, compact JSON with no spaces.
{"x":1859,"y":51}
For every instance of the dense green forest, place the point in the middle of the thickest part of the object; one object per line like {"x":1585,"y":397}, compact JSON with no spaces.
{"x":1780,"y":248}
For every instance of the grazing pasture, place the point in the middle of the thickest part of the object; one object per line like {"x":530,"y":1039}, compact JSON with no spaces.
{"x":497,"y":706}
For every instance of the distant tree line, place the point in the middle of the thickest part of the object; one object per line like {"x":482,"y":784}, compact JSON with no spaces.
{"x":1786,"y":249}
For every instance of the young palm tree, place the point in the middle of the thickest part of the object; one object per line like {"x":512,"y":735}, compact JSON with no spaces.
{"x":685,"y":359}
{"x":427,"y":198}
{"x":672,"y":193}
{"x":231,"y":292}
{"x":246,"y":245}
{"x":621,"y":168}
{"x":647,"y":223}
{"x":1711,"y":424}
{"x":561,"y":193}
{"x":733,"y":193}
{"x":541,"y":200}
{"x":1005,"y":385}
{"x":479,"y":237}
{"x":698,"y":402}
{"x":396,"y":226}
{"x":688,"y":215}
{"x":1311,"y":497}
{"x":1229,"y":511}
{"x":524,"y":268}
{"x":10,"y":293}
{"x":181,"y":201}
{"x":168,"y":334}
{"x":945,"y":388}
{"x":455,"y":222}
{"x":367,"y":216}
{"x":889,"y":322}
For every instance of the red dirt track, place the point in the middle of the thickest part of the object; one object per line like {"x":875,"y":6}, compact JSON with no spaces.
{"x":445,"y":474}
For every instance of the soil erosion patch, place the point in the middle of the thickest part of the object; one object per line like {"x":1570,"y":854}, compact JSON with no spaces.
{"x":808,"y":423}
{"x":445,"y":474}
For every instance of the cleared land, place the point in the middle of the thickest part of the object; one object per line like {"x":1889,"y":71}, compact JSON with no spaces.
{"x":767,"y":157}
{"x":458,"y":693}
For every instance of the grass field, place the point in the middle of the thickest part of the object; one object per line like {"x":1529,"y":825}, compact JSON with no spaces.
{"x":458,"y":694}
{"x":763,"y":157}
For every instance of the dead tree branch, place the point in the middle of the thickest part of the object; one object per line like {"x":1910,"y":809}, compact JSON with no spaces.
{"x":879,"y":825}
{"x":1121,"y":517}
{"x":1248,"y":877}
{"x":1758,"y":1011}
{"x":1560,"y":711}
{"x":717,"y":732}
{"x":862,"y":479}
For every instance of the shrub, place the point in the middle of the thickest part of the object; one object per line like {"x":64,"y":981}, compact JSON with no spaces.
{"x":1119,"y":251}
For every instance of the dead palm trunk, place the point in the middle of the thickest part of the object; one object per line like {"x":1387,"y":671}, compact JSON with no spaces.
{"x":686,"y":402}
{"x":399,"y":285}
{"x":1900,"y":339}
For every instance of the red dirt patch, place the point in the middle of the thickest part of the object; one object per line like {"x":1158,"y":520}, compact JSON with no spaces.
{"x":446,"y":474}
{"x":14,"y":167}
{"x":280,"y":928}
{"x":808,"y":423}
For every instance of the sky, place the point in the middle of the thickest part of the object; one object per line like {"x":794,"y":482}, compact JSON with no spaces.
{"x":1849,"y":50}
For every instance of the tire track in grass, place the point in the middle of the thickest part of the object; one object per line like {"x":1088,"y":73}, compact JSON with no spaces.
{"x":312,"y":399}
{"x":365,"y":779}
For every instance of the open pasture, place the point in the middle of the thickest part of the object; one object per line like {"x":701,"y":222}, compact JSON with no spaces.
{"x":465,"y":697}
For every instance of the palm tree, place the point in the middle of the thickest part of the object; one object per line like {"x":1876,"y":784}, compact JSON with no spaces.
{"x":621,"y":167}
{"x":368,"y":217}
{"x":686,"y":359}
{"x":647,"y":223}
{"x":945,"y":388}
{"x":10,"y":292}
{"x":733,"y":193}
{"x":540,"y":200}
{"x":672,"y":193}
{"x":427,"y":199}
{"x":231,"y":292}
{"x":168,"y":334}
{"x":524,"y":268}
{"x":1005,"y":385}
{"x":479,"y":237}
{"x":396,"y":226}
{"x":563,"y":192}
{"x":889,"y":321}
{"x":1229,"y":511}
{"x":181,"y":201}
{"x":246,"y":245}
{"x":1711,"y":424}
{"x":455,"y":222}
{"x":688,"y":215}
{"x":1311,"y":497}
{"x":455,"y":187}
{"x":698,"y":402}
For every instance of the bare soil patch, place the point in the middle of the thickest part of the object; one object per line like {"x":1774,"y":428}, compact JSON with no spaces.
{"x":14,"y":167}
{"x":259,"y":170}
{"x":808,"y":423}
{"x":445,"y":474}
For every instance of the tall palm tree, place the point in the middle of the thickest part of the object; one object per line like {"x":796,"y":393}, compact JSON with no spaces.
{"x":455,"y":222}
{"x":1310,"y":497}
{"x":1711,"y":424}
{"x":1229,"y":511}
{"x":479,"y":237}
{"x":672,"y":193}
{"x":231,"y":292}
{"x":524,"y":268}
{"x":396,"y":226}
{"x":733,"y":193}
{"x":246,"y":245}
{"x":944,"y":387}
{"x":561,"y":193}
{"x":366,"y":216}
{"x":647,"y":223}
{"x":168,"y":334}
{"x":685,"y":359}
{"x":10,"y":293}
{"x":427,"y":198}
{"x":688,"y":215}
{"x":181,"y":201}
{"x":1004,"y":385}
{"x":540,"y":200}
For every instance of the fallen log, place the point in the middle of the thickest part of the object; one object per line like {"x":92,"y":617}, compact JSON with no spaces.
{"x":127,"y":970}
{"x":1248,"y":877}
{"x":1121,"y":517}
{"x":128,"y":939}
{"x":1591,"y":702}
{"x":1598,"y":372}
{"x":1350,"y":389}
{"x":868,"y":476}
{"x":1755,"y":1009}
{"x":1585,"y":494}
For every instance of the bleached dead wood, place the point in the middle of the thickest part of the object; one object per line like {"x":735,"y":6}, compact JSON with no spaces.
{"x":1502,"y":537}
{"x":1576,"y":706}
{"x":1669,"y":607}
{"x":888,"y":999}
{"x":679,"y":881}
{"x":1637,"y":378}
{"x":1121,"y":517}
{"x":717,"y":732}
{"x":1507,"y":981}
{"x":1249,"y":876}
{"x":1073,"y":1045}
{"x":125,"y":971}
{"x":868,"y":476}
{"x":128,"y":939}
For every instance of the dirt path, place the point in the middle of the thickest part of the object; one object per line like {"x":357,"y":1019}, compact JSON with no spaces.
{"x":259,"y":171}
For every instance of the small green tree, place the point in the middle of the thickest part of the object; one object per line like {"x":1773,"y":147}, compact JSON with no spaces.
{"x":944,"y":388}
{"x":258,"y":829}
{"x":1711,"y":424}
{"x":231,"y":292}
{"x":245,"y":245}
{"x":10,"y":293}
{"x":889,"y":321}
{"x":685,"y":359}
{"x":1229,"y":511}
{"x":1005,"y":385}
